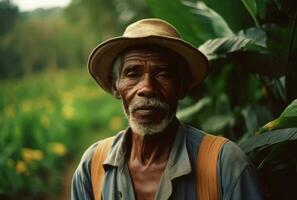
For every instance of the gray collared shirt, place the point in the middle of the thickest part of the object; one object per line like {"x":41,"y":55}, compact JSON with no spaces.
{"x":237,"y":176}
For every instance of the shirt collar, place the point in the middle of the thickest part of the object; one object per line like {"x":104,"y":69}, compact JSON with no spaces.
{"x":117,"y":154}
{"x":178,"y":164}
{"x":178,"y":161}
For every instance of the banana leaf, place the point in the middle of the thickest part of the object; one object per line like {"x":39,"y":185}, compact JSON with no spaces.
{"x":226,"y":10}
{"x":253,"y":38}
{"x":247,"y":49}
{"x":287,"y":119}
{"x":195,"y":108}
{"x":251,"y":7}
{"x":269,"y":138}
{"x":195,"y":21}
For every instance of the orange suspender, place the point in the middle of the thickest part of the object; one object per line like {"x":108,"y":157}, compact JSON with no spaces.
{"x":97,"y":170}
{"x":207,"y":180}
{"x":208,"y":184}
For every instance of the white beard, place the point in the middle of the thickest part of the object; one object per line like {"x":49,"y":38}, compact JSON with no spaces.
{"x":149,"y":129}
{"x":144,"y":129}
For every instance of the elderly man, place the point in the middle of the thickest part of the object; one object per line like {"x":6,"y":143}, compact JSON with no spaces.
{"x":150,"y":68}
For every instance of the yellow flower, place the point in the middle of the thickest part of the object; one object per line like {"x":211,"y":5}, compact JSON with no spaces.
{"x":21,"y":167}
{"x":87,"y":93}
{"x":115,"y":123}
{"x":57,"y":148}
{"x":67,"y":97}
{"x":32,"y":154}
{"x":26,"y":106}
{"x":45,"y":104}
{"x":68,"y":111}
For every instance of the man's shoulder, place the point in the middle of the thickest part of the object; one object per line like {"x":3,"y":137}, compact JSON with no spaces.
{"x":81,"y":181}
{"x":232,"y":160}
{"x":230,"y":152}
{"x":193,"y":134}
{"x":88,"y":154}
{"x":195,"y":137}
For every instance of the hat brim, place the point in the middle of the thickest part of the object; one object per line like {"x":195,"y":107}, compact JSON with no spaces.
{"x":102,"y":57}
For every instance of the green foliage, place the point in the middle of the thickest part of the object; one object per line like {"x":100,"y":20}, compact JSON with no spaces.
{"x":46,"y":121}
{"x":268,"y":138}
{"x":253,"y":38}
{"x":251,"y":7}
{"x":287,"y":119}
{"x":8,"y":18}
{"x":196,"y":22}
{"x":196,"y":107}
{"x":233,"y":11}
{"x":40,"y":46}
{"x":60,"y":38}
{"x":274,"y":153}
{"x":8,"y":15}
{"x":105,"y":19}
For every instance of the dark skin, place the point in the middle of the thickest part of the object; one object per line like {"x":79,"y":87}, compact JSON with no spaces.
{"x":146,"y":74}
{"x":148,"y":160}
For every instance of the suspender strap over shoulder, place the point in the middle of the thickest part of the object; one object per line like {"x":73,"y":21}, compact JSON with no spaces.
{"x":207,"y":179}
{"x":97,"y":170}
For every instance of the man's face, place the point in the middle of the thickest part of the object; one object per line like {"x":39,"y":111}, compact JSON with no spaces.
{"x":149,"y":86}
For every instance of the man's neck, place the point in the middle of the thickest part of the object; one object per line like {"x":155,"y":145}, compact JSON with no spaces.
{"x":153,"y":149}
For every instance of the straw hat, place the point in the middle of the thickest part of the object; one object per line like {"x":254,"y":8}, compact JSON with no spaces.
{"x":151,"y":32}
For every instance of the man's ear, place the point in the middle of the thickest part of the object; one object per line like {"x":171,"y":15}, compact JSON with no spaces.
{"x":115,"y":91}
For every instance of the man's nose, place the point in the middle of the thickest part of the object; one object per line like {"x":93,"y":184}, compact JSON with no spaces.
{"x":147,"y":86}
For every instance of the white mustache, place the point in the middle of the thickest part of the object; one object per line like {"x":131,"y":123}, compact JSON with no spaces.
{"x":148,"y":102}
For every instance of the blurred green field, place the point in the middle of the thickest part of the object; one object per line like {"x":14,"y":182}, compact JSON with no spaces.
{"x":46,"y":121}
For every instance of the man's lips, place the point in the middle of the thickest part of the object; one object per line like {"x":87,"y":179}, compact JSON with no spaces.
{"x":147,"y":111}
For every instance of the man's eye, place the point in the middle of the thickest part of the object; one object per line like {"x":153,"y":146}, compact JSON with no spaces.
{"x":132,"y":74}
{"x":164,"y":74}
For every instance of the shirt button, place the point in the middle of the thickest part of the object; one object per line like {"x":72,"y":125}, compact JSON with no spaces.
{"x":119,"y":194}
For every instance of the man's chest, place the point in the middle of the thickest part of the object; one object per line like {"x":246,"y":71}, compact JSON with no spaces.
{"x":118,"y":185}
{"x":146,"y":180}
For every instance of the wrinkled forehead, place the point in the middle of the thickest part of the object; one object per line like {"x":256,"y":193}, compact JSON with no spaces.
{"x":139,"y":57}
{"x":154,"y":53}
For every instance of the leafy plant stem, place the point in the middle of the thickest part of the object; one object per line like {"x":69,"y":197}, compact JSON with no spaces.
{"x":251,"y":13}
{"x":291,"y":63}
{"x":292,"y":38}
{"x":272,"y":154}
